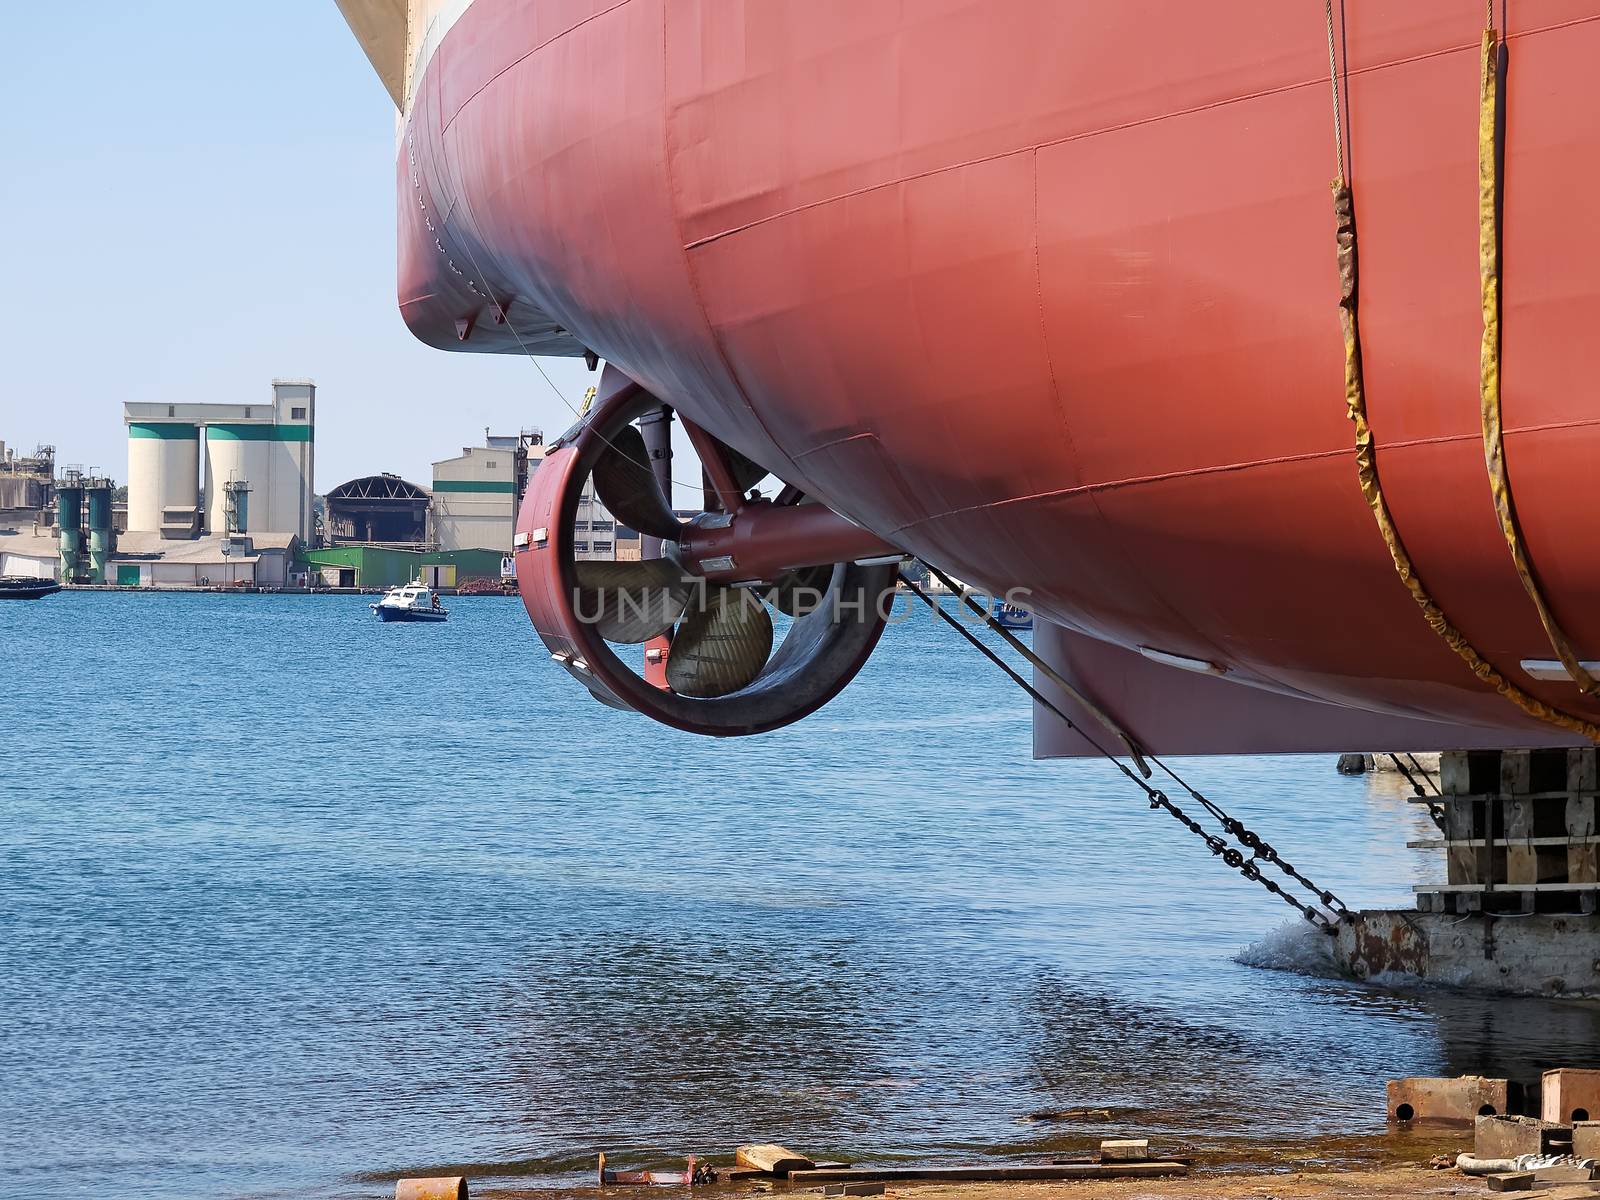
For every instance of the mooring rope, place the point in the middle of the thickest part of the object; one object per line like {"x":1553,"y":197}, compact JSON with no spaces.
{"x":1366,"y":448}
{"x":1491,"y":165}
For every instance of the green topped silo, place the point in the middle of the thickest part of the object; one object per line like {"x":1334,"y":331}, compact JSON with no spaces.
{"x":69,"y":520}
{"x":99,"y":496}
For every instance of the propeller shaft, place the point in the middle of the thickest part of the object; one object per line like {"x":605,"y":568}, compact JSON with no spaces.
{"x":763,"y":540}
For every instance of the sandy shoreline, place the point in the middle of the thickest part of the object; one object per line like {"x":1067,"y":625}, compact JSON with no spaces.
{"x":1370,"y":1184}
{"x":1392,"y":1182}
{"x":1374,"y":1167}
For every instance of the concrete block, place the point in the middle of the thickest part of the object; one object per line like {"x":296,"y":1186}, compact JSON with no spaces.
{"x":1455,"y":773}
{"x":1586,"y":1139}
{"x":853,"y":1189}
{"x":1571,"y":1095}
{"x":1512,"y":1181}
{"x":1465,"y":1099}
{"x":1512,"y":1137}
{"x":1552,"y":954}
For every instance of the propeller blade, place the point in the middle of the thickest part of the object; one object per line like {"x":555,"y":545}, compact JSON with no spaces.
{"x":800,"y":592}
{"x":721,"y":645}
{"x":627,"y":486}
{"x":631,"y":602}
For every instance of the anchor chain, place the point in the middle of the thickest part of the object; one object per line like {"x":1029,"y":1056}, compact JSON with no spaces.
{"x":1246,"y":865}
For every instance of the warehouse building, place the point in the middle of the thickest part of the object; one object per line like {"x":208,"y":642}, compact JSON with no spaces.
{"x":28,"y":553}
{"x":251,"y":560}
{"x":378,"y":510}
{"x":356,"y":566}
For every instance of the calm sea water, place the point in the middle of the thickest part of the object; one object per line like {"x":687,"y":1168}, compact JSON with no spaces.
{"x":292,"y":902}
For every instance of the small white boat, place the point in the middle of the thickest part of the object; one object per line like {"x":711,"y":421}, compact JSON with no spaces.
{"x":413,"y":601}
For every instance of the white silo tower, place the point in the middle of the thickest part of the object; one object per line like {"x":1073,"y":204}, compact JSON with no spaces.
{"x":163,"y":472}
{"x":269,"y":449}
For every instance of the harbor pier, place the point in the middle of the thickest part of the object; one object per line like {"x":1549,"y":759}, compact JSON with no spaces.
{"x":1516,"y":909}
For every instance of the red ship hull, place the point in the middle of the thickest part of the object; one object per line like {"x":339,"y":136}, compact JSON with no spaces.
{"x":1045,"y":292}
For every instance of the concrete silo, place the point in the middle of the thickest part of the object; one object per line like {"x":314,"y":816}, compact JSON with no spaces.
{"x":163,"y":477}
{"x":238,"y":456}
{"x":69,"y":522}
{"x":267,"y":451}
{"x":98,"y":493}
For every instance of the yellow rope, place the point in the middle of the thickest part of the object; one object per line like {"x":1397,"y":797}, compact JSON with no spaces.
{"x":1372,"y":487}
{"x":1489,"y":377}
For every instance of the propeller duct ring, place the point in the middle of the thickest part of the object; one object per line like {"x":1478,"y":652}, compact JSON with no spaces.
{"x":821,"y":652}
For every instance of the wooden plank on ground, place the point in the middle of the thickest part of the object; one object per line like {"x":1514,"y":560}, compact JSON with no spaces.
{"x":1125,"y":1150}
{"x":1562,"y":1175}
{"x":773,"y":1160}
{"x":992,"y":1174}
{"x":1511,"y":1181}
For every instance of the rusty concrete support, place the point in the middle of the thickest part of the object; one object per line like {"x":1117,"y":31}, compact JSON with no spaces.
{"x":1544,"y":954}
{"x":1571,"y":1095}
{"x":1520,"y":839}
{"x":1464,"y":1099}
{"x":1512,"y":1137}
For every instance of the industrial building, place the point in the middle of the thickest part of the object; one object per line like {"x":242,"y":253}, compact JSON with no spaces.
{"x":475,"y":494}
{"x":28,"y":545}
{"x":83,"y":526}
{"x":380,"y":510}
{"x":74,"y":543}
{"x":249,"y":560}
{"x":258,"y":462}
{"x":27,"y":482}
{"x":356,"y":566}
{"x":475,"y":497}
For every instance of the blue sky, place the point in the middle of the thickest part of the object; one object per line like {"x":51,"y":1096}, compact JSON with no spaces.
{"x":198,"y":196}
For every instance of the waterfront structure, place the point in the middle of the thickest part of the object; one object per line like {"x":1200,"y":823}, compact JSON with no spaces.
{"x":372,"y":566}
{"x":475,"y":494}
{"x":52,"y":529}
{"x":265,"y":451}
{"x":475,"y":499}
{"x":452,"y":568}
{"x":377,"y":510}
{"x":27,"y":482}
{"x":29,"y":554}
{"x":152,"y":560}
{"x":361,"y":566}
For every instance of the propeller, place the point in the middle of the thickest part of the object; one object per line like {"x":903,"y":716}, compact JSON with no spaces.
{"x":627,"y":486}
{"x":632,"y":602}
{"x":721,"y":645}
{"x":726,"y":637}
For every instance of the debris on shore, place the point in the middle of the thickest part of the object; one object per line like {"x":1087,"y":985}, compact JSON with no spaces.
{"x":1553,"y":1157}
